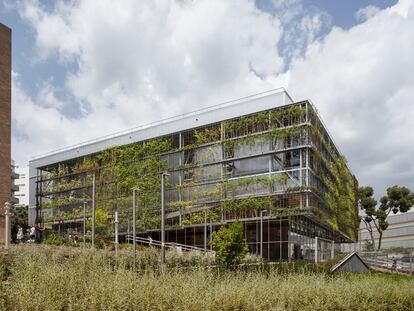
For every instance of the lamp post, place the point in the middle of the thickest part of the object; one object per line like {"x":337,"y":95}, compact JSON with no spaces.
{"x":7,"y":207}
{"x":116,"y":233}
{"x":205,"y":231}
{"x":163,"y":216}
{"x":134,"y":227}
{"x":128,"y":226}
{"x":84,"y":223}
{"x":261,"y":232}
{"x":93,"y":209}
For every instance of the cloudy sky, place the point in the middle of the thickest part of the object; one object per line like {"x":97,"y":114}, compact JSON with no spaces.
{"x":84,"y":69}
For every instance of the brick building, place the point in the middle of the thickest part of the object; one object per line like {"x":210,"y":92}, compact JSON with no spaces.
{"x":5,"y":121}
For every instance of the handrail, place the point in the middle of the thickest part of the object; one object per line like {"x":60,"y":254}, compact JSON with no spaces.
{"x":157,"y":243}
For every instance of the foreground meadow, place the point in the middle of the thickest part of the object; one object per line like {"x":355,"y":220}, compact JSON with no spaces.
{"x":57,"y":278}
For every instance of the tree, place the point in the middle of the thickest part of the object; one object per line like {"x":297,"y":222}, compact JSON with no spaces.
{"x":398,"y":199}
{"x":368,"y":204}
{"x":229,"y":244}
{"x":19,"y":219}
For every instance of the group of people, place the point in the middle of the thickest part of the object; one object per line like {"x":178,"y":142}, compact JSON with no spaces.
{"x":30,"y":235}
{"x":73,"y":238}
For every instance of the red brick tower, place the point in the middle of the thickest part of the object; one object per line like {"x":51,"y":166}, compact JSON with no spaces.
{"x":5,"y":122}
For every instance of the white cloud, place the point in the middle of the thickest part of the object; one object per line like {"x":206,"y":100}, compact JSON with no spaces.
{"x":366,"y":12}
{"x":361,"y":82}
{"x":141,"y":61}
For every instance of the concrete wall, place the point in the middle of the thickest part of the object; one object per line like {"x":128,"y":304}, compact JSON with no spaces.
{"x":5,"y":122}
{"x":400,"y":233}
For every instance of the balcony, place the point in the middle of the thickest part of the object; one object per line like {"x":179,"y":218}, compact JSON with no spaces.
{"x":14,"y":175}
{"x":14,"y":187}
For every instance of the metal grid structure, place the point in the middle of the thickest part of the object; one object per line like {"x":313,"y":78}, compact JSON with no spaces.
{"x":230,"y":164}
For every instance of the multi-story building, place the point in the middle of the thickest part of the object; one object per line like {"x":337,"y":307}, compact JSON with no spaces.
{"x":400,"y":232}
{"x":14,"y":186}
{"x":5,"y":121}
{"x":263,"y":160}
{"x":22,"y":183}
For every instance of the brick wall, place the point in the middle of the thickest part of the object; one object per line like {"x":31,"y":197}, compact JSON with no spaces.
{"x":5,"y":121}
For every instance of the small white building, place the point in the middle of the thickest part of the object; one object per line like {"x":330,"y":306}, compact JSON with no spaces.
{"x":22,"y":182}
{"x":13,"y":184}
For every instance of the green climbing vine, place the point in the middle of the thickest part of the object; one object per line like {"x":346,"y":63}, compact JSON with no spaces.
{"x":120,"y":169}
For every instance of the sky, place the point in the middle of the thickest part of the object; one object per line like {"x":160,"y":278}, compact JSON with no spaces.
{"x":84,"y":69}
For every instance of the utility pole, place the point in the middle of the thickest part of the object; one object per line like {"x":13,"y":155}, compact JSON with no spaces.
{"x":93,"y":209}
{"x":163,"y":216}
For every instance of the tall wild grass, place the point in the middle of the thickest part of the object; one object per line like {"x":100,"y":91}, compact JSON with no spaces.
{"x":54,"y":278}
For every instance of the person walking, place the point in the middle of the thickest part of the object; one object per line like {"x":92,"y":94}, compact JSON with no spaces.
{"x":32,"y":234}
{"x":20,"y":235}
{"x":394,"y":263}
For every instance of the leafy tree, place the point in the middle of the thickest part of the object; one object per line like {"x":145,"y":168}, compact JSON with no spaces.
{"x":368,"y":204}
{"x":19,"y":219}
{"x":229,"y":244}
{"x":398,"y":199}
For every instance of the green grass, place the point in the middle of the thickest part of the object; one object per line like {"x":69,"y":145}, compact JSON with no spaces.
{"x":55,"y":278}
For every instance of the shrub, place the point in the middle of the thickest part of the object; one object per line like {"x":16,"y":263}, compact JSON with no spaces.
{"x":229,"y":244}
{"x":54,"y":239}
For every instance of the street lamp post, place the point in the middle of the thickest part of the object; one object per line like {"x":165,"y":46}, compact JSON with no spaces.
{"x":205,"y":231}
{"x":134,"y":227}
{"x":128,"y":226}
{"x":116,"y":233}
{"x":163,"y":216}
{"x":261,"y":232}
{"x":93,"y":209}
{"x":7,"y":213}
{"x":84,"y":223}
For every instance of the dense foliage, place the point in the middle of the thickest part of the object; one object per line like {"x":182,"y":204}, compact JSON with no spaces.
{"x":120,"y":169}
{"x":229,"y":244}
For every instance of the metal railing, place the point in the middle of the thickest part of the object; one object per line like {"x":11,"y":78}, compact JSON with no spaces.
{"x":404,"y":264}
{"x":177,"y":246}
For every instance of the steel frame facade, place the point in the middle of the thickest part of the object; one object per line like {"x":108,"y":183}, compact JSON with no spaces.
{"x":213,"y":163}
